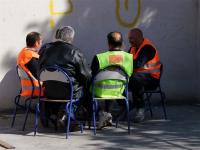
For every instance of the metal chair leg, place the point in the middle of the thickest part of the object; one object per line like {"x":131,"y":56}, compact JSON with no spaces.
{"x":69,"y":118}
{"x":37,"y":110}
{"x":128,"y":119}
{"x":15,"y":111}
{"x":117,"y":121}
{"x":94,"y":117}
{"x":163,"y":104}
{"x":149,"y":103}
{"x":14,"y":116}
{"x":27,"y":112}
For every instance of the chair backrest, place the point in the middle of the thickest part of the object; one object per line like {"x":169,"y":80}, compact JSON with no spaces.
{"x":111,"y":88}
{"x":156,"y":86}
{"x":161,"y":70}
{"x":111,"y":72}
{"x":56,"y":73}
{"x":23,"y":75}
{"x":53,"y":75}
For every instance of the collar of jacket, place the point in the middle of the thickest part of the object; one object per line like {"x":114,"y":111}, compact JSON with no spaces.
{"x":115,"y":49}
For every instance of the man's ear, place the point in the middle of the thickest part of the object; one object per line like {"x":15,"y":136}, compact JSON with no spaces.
{"x":36,"y":44}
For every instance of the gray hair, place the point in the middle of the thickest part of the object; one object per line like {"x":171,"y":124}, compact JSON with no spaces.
{"x":65,"y":33}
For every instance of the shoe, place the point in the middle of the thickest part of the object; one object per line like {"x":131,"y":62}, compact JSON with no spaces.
{"x":139,"y":115}
{"x":109,"y":121}
{"x":105,"y":119}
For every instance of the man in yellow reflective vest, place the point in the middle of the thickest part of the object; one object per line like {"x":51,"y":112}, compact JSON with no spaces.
{"x":114,"y":56}
{"x":28,"y":61}
{"x":146,"y":69}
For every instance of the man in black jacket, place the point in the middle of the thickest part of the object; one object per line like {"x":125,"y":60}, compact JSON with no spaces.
{"x":64,"y":54}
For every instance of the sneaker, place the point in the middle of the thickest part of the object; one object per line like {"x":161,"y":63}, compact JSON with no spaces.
{"x":139,"y":115}
{"x":105,"y":119}
{"x":109,"y":121}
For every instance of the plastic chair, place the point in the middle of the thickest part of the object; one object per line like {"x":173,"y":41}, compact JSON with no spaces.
{"x":110,"y":74}
{"x":157,"y":90}
{"x":28,"y":100}
{"x":56,"y":73}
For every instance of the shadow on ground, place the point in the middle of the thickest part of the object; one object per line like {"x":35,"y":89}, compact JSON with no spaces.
{"x":180,"y":131}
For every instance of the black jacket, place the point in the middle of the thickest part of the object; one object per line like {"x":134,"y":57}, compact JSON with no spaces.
{"x":69,"y":58}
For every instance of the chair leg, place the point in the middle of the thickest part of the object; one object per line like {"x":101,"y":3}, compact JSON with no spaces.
{"x":27,"y":112}
{"x":117,"y":121}
{"x":68,"y":113}
{"x":80,"y":126}
{"x":128,"y":119}
{"x":15,"y":111}
{"x":14,"y":116}
{"x":149,"y":103}
{"x":94,"y":116}
{"x":163,"y":104}
{"x":37,"y":110}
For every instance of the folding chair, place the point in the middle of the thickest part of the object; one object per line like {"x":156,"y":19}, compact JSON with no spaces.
{"x":56,"y":73}
{"x":22,"y":74}
{"x":110,"y":74}
{"x":157,"y":90}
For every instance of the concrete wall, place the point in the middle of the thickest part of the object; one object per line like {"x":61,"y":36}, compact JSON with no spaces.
{"x":198,"y":47}
{"x":171,"y":25}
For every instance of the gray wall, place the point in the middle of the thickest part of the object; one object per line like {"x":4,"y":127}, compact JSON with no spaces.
{"x":198,"y":52}
{"x":172,"y":25}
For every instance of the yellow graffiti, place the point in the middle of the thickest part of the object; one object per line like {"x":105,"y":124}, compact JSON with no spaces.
{"x":52,"y":23}
{"x":53,"y":12}
{"x":123,"y":22}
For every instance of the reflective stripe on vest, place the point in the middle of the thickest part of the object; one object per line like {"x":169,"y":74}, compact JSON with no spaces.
{"x":149,"y":71}
{"x":108,"y":86}
{"x":30,"y":88}
{"x":27,"y":87}
{"x":152,"y":67}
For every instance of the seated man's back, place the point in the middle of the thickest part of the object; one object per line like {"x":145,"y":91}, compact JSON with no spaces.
{"x":67,"y":56}
{"x":111,"y":87}
{"x":28,"y":61}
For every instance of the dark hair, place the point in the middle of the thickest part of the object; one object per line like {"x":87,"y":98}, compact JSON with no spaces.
{"x":138,"y":32}
{"x":115,"y":40}
{"x":31,"y":38}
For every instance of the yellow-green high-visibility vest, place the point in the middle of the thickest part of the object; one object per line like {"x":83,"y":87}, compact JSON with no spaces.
{"x":110,"y":87}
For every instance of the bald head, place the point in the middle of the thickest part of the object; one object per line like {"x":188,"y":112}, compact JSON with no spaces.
{"x":115,"y":40}
{"x":135,"y":37}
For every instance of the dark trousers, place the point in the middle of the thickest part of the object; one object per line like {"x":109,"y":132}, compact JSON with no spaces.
{"x":137,"y":84}
{"x":61,"y":91}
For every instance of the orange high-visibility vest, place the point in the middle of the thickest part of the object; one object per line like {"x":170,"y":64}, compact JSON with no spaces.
{"x":24,"y":57}
{"x":152,"y":66}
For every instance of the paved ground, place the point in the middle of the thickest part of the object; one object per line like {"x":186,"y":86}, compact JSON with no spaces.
{"x":180,"y":131}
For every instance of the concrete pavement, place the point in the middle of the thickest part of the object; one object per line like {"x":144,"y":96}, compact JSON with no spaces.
{"x":180,"y":132}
